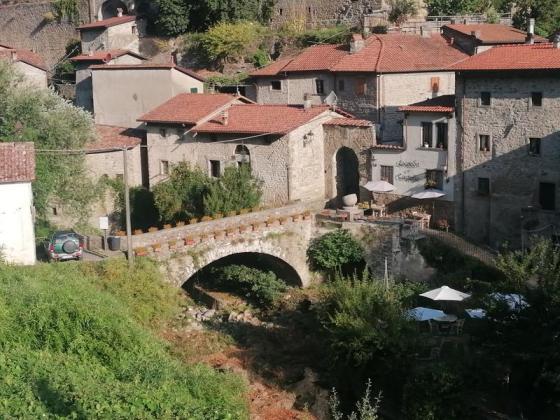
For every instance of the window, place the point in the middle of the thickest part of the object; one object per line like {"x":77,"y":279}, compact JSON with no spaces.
{"x":387,"y":174}
{"x":361,"y":86}
{"x":319,"y":86}
{"x":215,"y":168}
{"x":441,"y":136}
{"x":276,"y":85}
{"x":427,"y":134}
{"x":485,"y":98}
{"x":163,"y":132}
{"x":434,"y":179}
{"x":55,"y":211}
{"x":547,"y":195}
{"x":242,"y":156}
{"x":484,"y":186}
{"x":164,"y":167}
{"x":341,"y":85}
{"x":280,"y":11}
{"x":484,"y":142}
{"x":536,"y":99}
{"x":534,"y":146}
{"x":134,"y":29}
{"x":194,"y":90}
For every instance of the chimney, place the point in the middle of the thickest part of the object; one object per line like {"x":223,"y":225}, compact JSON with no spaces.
{"x":307,"y":101}
{"x":530,"y":32}
{"x":13,"y":55}
{"x":174,"y":58}
{"x":356,"y":43}
{"x":119,"y":12}
{"x":556,"y":42}
{"x":225,"y":117}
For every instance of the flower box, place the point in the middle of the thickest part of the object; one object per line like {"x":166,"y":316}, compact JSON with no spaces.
{"x":193,"y":221}
{"x":153,"y":229}
{"x":138,"y":232}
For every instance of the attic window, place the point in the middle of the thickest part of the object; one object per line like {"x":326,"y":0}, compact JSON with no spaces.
{"x":276,"y":85}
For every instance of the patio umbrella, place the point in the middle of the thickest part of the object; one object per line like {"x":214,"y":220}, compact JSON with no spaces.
{"x":424,"y":314}
{"x":379,"y":186}
{"x":446,"y":293}
{"x":430,"y":194}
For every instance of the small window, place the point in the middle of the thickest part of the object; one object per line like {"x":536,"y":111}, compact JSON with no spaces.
{"x":320,"y":86}
{"x":276,"y":85}
{"x":215,"y":168}
{"x":55,"y":211}
{"x":134,"y":29}
{"x":163,"y":132}
{"x":534,"y":146}
{"x":194,"y":90}
{"x":387,"y":174}
{"x":484,"y":143}
{"x":485,"y":98}
{"x":441,"y":136}
{"x":434,"y":179}
{"x":361,"y":86}
{"x":427,"y":134}
{"x":164,"y":167}
{"x":341,"y":85}
{"x":536,"y":99}
{"x":280,"y":11}
{"x":484,"y":186}
{"x":547,"y":195}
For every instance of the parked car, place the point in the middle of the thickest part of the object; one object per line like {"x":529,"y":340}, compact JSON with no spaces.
{"x":64,"y":245}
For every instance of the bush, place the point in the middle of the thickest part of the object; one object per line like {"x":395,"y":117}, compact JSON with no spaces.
{"x":332,"y":35}
{"x":226,"y":42}
{"x":401,"y":10}
{"x":73,"y":345}
{"x":260,"y":287}
{"x":334,"y":250}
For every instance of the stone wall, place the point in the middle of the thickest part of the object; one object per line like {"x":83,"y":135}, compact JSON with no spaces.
{"x":514,"y":175}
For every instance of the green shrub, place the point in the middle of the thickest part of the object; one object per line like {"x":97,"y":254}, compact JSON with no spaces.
{"x":333,"y":35}
{"x":334,"y":250}
{"x":71,"y":347}
{"x":401,"y":10}
{"x":172,"y":18}
{"x":261,"y":58}
{"x":226,"y":42}
{"x":260,"y":287}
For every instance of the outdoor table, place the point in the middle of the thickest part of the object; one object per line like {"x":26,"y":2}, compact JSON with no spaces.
{"x":445,"y":322}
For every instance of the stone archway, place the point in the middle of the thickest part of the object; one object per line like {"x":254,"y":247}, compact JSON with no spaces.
{"x":346,"y":173}
{"x":108,"y":8}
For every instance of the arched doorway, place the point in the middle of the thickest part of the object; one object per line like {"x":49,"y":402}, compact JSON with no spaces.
{"x":109,"y":9}
{"x":347,"y":175}
{"x":242,"y":156}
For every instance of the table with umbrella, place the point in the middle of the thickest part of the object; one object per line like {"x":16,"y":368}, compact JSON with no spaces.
{"x":379,"y":187}
{"x":429,"y":194}
{"x":446,"y":295}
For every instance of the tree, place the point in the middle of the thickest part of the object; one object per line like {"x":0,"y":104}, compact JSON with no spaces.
{"x":461,"y":7}
{"x":172,"y":18}
{"x":52,"y":123}
{"x":334,"y":250}
{"x":232,"y":41}
{"x":401,"y":10}
{"x":237,"y":189}
{"x":545,"y":12}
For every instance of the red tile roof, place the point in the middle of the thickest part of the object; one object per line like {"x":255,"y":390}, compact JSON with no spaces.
{"x":25,"y":56}
{"x":149,"y":66}
{"x":492,"y":33}
{"x":349,"y":122}
{"x":105,"y":56}
{"x":107,"y":22}
{"x":445,"y":103}
{"x":392,"y":53}
{"x":188,"y":108}
{"x":513,"y":57}
{"x":17,"y":162}
{"x":261,"y":119}
{"x":110,"y":137}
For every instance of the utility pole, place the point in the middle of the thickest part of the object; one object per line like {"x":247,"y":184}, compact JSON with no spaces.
{"x":130,"y":252}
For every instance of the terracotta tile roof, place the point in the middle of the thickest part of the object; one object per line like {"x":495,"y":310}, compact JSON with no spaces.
{"x":149,"y":66}
{"x":107,"y":22}
{"x":444,"y":103}
{"x":492,"y":33}
{"x":104,"y":56}
{"x":274,"y":68}
{"x":188,"y":108}
{"x":513,"y":57}
{"x":110,"y":137}
{"x":392,"y":53}
{"x":17,"y":162}
{"x":349,"y":122}
{"x":261,"y":119}
{"x":25,"y":56}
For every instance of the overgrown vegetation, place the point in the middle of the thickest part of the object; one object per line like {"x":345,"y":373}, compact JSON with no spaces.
{"x":402,"y":10}
{"x":66,"y":9}
{"x":42,"y":117}
{"x":334,"y":251}
{"x":76,"y":342}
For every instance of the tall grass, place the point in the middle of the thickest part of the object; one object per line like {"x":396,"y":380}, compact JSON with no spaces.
{"x":76,"y":342}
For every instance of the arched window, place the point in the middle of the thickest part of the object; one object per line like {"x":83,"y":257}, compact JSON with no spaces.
{"x":242,"y":155}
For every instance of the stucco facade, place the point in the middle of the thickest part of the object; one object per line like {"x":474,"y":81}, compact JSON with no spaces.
{"x":508,"y":181}
{"x":121,"y":94}
{"x":33,"y":76}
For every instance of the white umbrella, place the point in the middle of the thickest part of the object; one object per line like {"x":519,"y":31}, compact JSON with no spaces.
{"x":379,"y":186}
{"x":424,"y":314}
{"x":429,"y":193}
{"x":446,"y":293}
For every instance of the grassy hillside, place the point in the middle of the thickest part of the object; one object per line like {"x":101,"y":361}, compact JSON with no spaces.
{"x":77,"y":341}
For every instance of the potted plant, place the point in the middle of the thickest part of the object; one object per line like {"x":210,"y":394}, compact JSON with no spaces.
{"x":138,"y":232}
{"x":193,"y":221}
{"x":153,"y":229}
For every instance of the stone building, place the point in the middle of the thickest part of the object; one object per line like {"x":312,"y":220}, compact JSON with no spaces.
{"x":370,"y":78}
{"x":476,"y":38}
{"x":83,"y":62}
{"x":290,"y":148}
{"x":17,"y":172}
{"x":120,"y":32}
{"x":124,"y":92}
{"x":32,"y":66}
{"x":508,"y":101}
